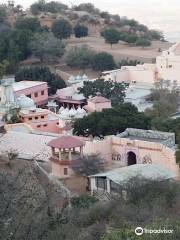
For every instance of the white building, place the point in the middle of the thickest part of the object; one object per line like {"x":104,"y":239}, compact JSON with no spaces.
{"x":167,"y":67}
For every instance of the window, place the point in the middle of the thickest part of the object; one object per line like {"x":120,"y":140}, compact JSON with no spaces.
{"x":45,"y":125}
{"x":30,"y":118}
{"x":57,"y":123}
{"x":65,"y":171}
{"x":42,"y":92}
{"x":38,"y":126}
{"x":170,"y":66}
{"x":42,"y":117}
{"x":29,"y":95}
{"x":36,"y":118}
{"x":36,"y":94}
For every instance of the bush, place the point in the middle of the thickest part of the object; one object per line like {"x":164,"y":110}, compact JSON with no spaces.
{"x":103,"y":61}
{"x":83,"y":201}
{"x":62,"y":29}
{"x":80,"y":31}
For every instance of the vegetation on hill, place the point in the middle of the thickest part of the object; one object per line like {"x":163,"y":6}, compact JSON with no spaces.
{"x":41,"y":74}
{"x":83,"y":57}
{"x":33,"y":207}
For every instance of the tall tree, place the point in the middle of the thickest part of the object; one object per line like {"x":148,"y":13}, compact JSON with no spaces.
{"x":41,"y":74}
{"x":80,"y":31}
{"x":109,"y":89}
{"x":32,"y":24}
{"x":111,"y":36}
{"x":111,"y":121}
{"x":62,"y":29}
{"x":103,"y":61}
{"x":80,"y":57}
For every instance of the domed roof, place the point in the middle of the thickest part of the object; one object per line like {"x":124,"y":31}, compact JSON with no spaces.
{"x":61,"y":109}
{"x":78,"y":78}
{"x":26,"y":102}
{"x":84,"y":77}
{"x":72,"y":112}
{"x":81,"y":110}
{"x":64,"y":113}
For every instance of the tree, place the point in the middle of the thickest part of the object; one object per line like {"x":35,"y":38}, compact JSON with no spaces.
{"x":80,"y":57}
{"x":3,"y":68}
{"x":3,"y":13}
{"x":103,"y":61}
{"x":112,"y":90}
{"x":41,"y":74}
{"x":46,"y":47}
{"x":31,"y":24}
{"x":111,"y":36}
{"x":62,"y":29}
{"x":88,"y":165}
{"x":165,"y":102}
{"x":87,"y":7}
{"x":143,"y":42}
{"x":80,"y":31}
{"x":111,"y":121}
{"x":131,"y":38}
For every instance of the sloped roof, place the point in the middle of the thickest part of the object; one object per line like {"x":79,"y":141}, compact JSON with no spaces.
{"x":99,"y":99}
{"x":66,"y":142}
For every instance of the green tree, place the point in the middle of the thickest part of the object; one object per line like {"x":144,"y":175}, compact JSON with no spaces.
{"x":32,"y":24}
{"x":111,"y":121}
{"x":143,"y":42}
{"x":62,"y":29}
{"x":46,"y":47}
{"x":108,"y":89}
{"x":131,"y":38}
{"x":111,"y":36}
{"x":80,"y":31}
{"x":41,"y":74}
{"x":103,"y":61}
{"x":3,"y":13}
{"x":3,"y":68}
{"x":80,"y":57}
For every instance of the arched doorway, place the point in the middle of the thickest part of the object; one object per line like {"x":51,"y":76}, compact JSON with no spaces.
{"x":131,"y":158}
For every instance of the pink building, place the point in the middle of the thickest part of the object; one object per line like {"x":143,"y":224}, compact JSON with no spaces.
{"x":37,"y":91}
{"x":97,"y":104}
{"x":65,"y":150}
{"x":39,"y":119}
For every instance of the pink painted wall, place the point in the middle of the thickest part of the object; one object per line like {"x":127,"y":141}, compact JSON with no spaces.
{"x":99,"y":106}
{"x":41,"y":90}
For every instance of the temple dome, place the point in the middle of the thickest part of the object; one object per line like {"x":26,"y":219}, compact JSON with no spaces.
{"x":81,"y":111}
{"x":26,"y":102}
{"x":61,"y":109}
{"x":65,"y":113}
{"x":72,"y":112}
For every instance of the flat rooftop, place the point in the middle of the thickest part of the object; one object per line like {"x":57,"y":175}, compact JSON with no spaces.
{"x":17,"y":86}
{"x":165,"y":138}
{"x":148,"y":171}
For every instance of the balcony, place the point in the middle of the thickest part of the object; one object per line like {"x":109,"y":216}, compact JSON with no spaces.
{"x":65,"y":158}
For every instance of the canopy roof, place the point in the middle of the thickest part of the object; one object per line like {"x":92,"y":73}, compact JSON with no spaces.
{"x":66,"y":142}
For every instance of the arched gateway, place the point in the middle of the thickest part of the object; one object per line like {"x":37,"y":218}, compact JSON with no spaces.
{"x":131,"y":158}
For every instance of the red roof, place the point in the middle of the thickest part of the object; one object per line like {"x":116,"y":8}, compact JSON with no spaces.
{"x":99,"y":99}
{"x":66,"y":142}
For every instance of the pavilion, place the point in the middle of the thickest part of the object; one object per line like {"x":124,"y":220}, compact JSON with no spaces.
{"x":65,"y":149}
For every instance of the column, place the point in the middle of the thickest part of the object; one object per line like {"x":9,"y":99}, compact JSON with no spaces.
{"x":60,"y":154}
{"x":70,"y":155}
{"x":81,"y":151}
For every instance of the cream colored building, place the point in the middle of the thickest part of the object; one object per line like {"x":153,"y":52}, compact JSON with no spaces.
{"x":167,"y":67}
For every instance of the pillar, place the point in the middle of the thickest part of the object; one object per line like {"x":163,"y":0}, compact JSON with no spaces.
{"x":60,"y":154}
{"x":70,"y":155}
{"x":53,"y":151}
{"x":81,"y":151}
